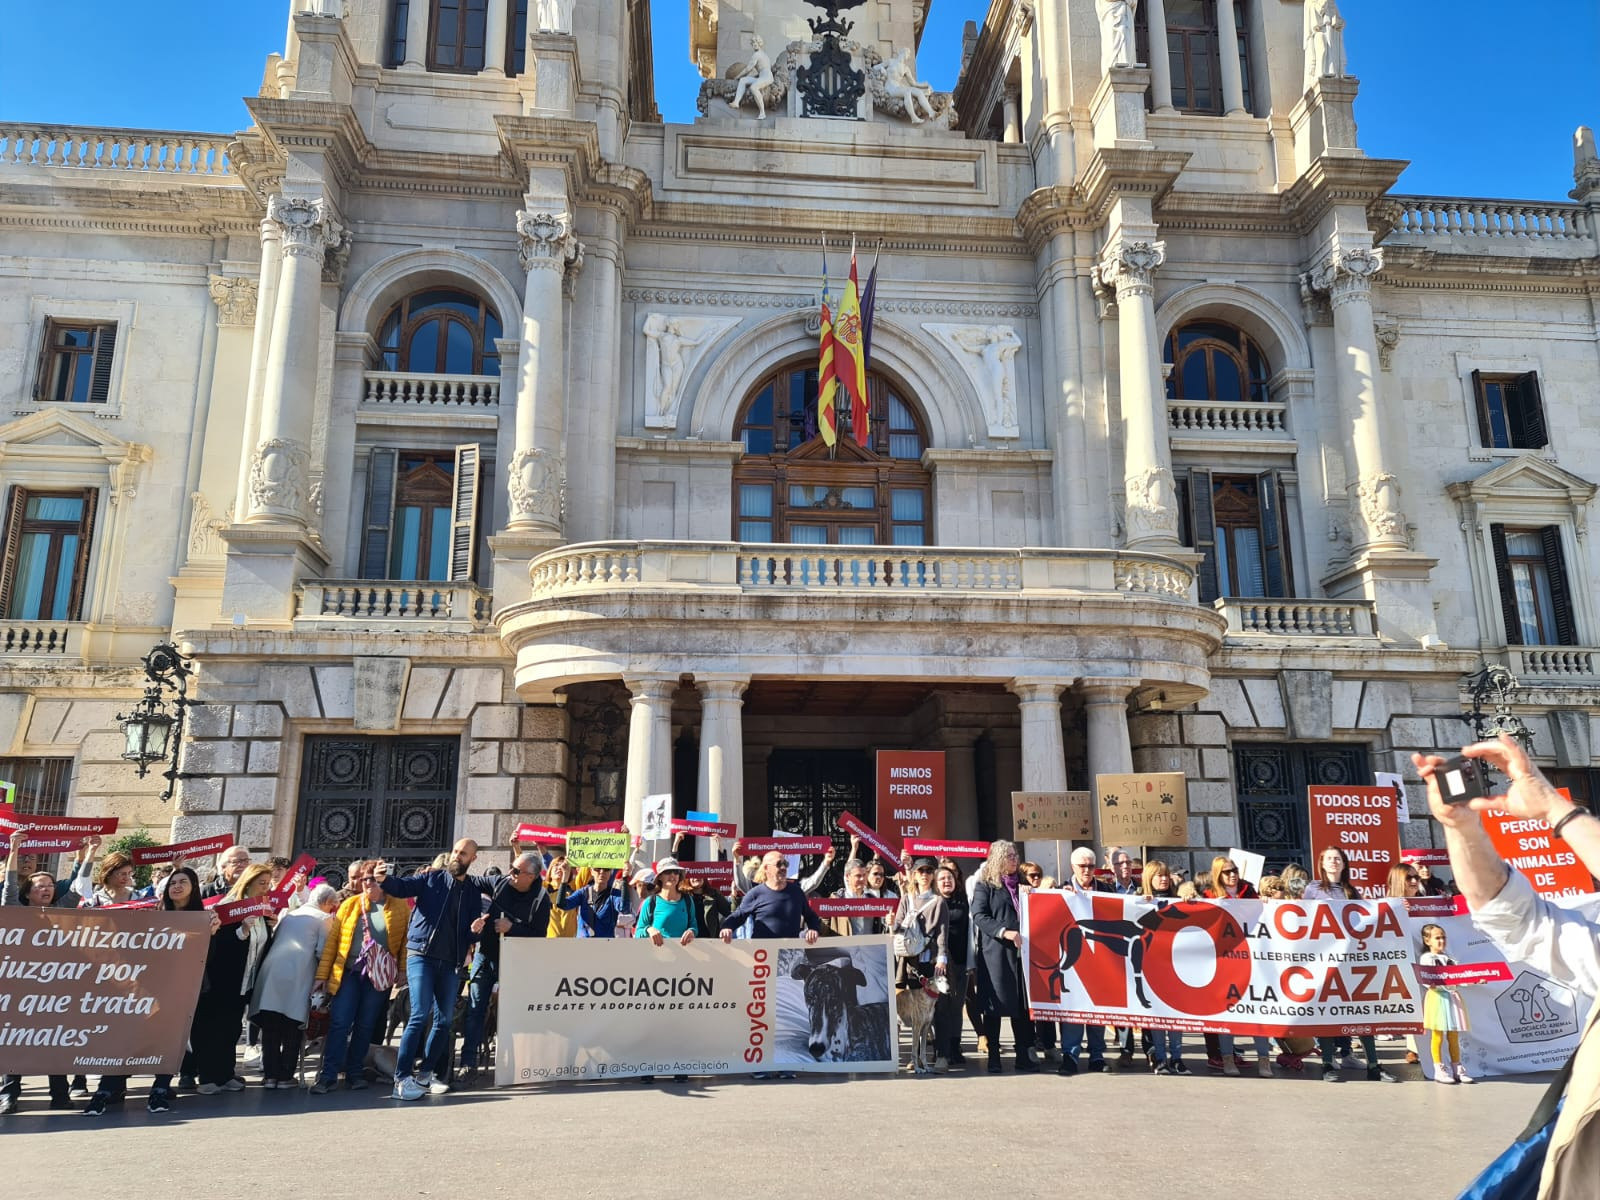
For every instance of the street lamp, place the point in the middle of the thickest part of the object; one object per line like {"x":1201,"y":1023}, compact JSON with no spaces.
{"x":151,"y":732}
{"x":1496,"y":683}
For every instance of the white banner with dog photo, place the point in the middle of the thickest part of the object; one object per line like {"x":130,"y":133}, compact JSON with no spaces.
{"x":593,"y":1008}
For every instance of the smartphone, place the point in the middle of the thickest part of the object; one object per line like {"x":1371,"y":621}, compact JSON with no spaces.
{"x":1462,"y":779}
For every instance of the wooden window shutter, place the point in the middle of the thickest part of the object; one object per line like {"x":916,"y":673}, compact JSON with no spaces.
{"x":464,"y":513}
{"x":1480,"y":402}
{"x":105,"y":349}
{"x":382,"y":468}
{"x":1529,"y":411}
{"x":1508,"y":587}
{"x":80,"y":569}
{"x":41,"y":378}
{"x":1555,"y":568}
{"x":13,"y":546}
{"x":1203,"y":526}
{"x":1274,"y":547}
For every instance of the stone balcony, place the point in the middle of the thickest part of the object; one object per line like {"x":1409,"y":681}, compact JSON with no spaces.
{"x":1225,"y":420}
{"x":130,"y":152}
{"x":1508,"y":228}
{"x":43,"y":640}
{"x":1341,"y":622}
{"x":1553,"y":666}
{"x":608,"y":609}
{"x":397,"y":606}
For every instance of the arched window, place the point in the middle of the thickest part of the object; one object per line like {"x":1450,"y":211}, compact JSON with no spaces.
{"x":440,"y":331}
{"x":1214,"y":361}
{"x":787,"y":488}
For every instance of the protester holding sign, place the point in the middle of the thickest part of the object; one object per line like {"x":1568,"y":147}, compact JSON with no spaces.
{"x":996,"y":918}
{"x":360,"y":963}
{"x":598,"y":905}
{"x":236,"y":955}
{"x":112,"y":882}
{"x":670,"y":913}
{"x":958,"y":943}
{"x":1528,"y":928}
{"x":776,"y":907}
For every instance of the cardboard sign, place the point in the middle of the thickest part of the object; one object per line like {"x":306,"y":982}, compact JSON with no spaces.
{"x":1551,"y":866}
{"x":231,"y":912}
{"x":143,"y":856}
{"x":598,"y":849}
{"x":851,"y":823}
{"x":281,"y":894}
{"x":540,"y":835}
{"x":854,"y":906}
{"x":910,"y":794}
{"x":1149,"y":809}
{"x":788,"y":845}
{"x":655,"y":816}
{"x":53,"y":834}
{"x":111,"y":992}
{"x":1364,"y":822}
{"x":1053,"y":816}
{"x":706,"y":828}
{"x":1251,"y":865}
{"x":717,"y":874}
{"x":940,"y":848}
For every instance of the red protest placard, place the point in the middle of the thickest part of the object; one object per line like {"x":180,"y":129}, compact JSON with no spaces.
{"x":1551,"y":866}
{"x":854,"y":906}
{"x":53,"y":834}
{"x":1364,"y":823}
{"x":788,"y":845}
{"x":231,"y":912}
{"x":1463,"y":973}
{"x":542,"y":835}
{"x":717,"y":874}
{"x":851,"y":823}
{"x":706,"y":828}
{"x":1435,"y":906}
{"x":602,"y":827}
{"x":131,"y":904}
{"x":911,"y":794}
{"x":279,"y":896}
{"x":198,"y":848}
{"x":1428,"y":858}
{"x":947,"y":849}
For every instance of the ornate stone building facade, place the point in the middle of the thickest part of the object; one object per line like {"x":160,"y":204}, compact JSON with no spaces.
{"x":458,"y":418}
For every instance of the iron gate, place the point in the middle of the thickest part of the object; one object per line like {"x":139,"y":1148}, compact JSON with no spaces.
{"x":1272,"y":780}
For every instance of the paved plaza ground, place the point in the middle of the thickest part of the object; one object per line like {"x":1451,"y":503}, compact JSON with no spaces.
{"x":1130,"y":1135}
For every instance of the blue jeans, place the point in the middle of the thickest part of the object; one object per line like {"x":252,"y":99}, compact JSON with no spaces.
{"x":354,"y":1010}
{"x":1166,"y":1045}
{"x":434,"y":988}
{"x":1263,"y":1045}
{"x":1072,"y":1038}
{"x":479,"y":992}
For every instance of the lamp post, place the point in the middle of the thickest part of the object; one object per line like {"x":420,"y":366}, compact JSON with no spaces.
{"x":152,"y":733}
{"x":1495,"y":683}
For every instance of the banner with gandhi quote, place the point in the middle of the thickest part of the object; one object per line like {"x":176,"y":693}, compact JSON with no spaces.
{"x":84,"y":991}
{"x":594,"y":1008}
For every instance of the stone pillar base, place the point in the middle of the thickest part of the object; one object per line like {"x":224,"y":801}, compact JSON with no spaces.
{"x":1398,"y":583}
{"x":1117,"y":109}
{"x":514,"y":550}
{"x":550,"y":84}
{"x":264,"y":565}
{"x":1324,"y":122}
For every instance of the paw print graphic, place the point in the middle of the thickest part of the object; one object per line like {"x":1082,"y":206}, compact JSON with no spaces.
{"x":1166,"y":797}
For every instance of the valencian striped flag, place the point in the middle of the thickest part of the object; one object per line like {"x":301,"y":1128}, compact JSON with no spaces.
{"x":850,"y":355}
{"x":827,"y":375}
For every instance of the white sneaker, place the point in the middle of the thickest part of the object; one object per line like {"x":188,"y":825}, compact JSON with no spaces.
{"x":233,"y":1085}
{"x":1443,"y":1074}
{"x":208,"y":1089}
{"x":1351,"y":1063}
{"x":408,"y":1089}
{"x":437,"y":1087}
{"x":1462,"y":1076}
{"x":424,"y":1078}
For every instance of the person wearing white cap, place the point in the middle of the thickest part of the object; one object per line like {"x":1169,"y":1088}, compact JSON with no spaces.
{"x":670,"y":913}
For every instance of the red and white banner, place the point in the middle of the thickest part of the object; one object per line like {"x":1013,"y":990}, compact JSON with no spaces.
{"x":910,"y":793}
{"x":851,"y":823}
{"x":787,"y":845}
{"x":542,"y":835}
{"x":1551,"y":866}
{"x":143,"y":856}
{"x":53,"y":834}
{"x":601,"y":827}
{"x":284,"y":891}
{"x":1364,"y":823}
{"x":1462,"y":974}
{"x":231,"y":912}
{"x":726,"y":829}
{"x":1426,"y":858}
{"x":1314,"y":968}
{"x":717,"y":874}
{"x":947,"y":849}
{"x":854,"y":906}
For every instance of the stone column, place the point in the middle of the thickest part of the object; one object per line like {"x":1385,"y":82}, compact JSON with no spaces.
{"x":649,"y":743}
{"x":1128,"y":266}
{"x":266,"y":305}
{"x":494,"y":38}
{"x":721,"y":789}
{"x":961,"y":782}
{"x":1044,"y":752}
{"x":1160,"y":65}
{"x":1228,"y":52}
{"x":1345,"y":277}
{"x":417,"y":36}
{"x":536,"y":475}
{"x":1105,"y":703}
{"x":1011,"y":108}
{"x":279,"y":472}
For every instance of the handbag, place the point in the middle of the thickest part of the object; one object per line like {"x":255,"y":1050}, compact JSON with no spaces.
{"x":1514,"y":1174}
{"x":376,"y":963}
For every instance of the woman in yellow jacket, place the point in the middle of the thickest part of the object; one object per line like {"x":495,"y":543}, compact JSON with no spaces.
{"x":365,"y":954}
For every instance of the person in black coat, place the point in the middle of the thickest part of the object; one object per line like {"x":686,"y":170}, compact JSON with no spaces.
{"x":1001,"y":991}
{"x":947,"y":1014}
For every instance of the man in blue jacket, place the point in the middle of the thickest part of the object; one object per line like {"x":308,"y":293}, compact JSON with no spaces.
{"x":437,"y":941}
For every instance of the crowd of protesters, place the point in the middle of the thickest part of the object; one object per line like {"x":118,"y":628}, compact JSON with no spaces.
{"x":420,"y":953}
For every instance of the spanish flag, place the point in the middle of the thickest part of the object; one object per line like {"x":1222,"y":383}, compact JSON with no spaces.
{"x":852,"y":355}
{"x":827,"y":381}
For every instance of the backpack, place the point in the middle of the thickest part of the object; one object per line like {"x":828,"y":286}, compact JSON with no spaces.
{"x":910,"y":939}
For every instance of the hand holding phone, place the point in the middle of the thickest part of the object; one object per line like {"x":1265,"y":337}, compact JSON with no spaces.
{"x":1462,"y":780}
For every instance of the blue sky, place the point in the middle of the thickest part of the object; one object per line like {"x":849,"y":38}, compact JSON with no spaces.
{"x":1481,"y":95}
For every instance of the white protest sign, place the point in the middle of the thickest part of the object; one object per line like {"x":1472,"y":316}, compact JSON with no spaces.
{"x":656,"y":816}
{"x":1389,"y":779}
{"x":1251,"y":865}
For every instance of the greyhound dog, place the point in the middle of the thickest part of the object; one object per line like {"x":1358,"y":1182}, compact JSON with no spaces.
{"x":914,"y":1006}
{"x":842,"y":1028}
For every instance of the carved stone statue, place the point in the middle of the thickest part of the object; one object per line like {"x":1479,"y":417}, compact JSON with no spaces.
{"x":1118,"y":47}
{"x":900,"y":83}
{"x":987,"y":354}
{"x":1324,"y":38}
{"x":1152,"y":506}
{"x":672,"y":347}
{"x":754,"y":79}
{"x":554,"y":16}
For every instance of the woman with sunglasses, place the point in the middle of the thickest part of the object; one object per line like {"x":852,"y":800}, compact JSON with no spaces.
{"x":1228,"y":884}
{"x":1333,"y":883}
{"x":366,"y":922}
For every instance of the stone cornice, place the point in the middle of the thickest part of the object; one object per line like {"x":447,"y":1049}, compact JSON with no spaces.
{"x":1048,"y":211}
{"x":1333,"y":180}
{"x":1114,"y":171}
{"x":796,"y":228}
{"x":1428,"y":267}
{"x":574,"y":147}
{"x":321,"y":125}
